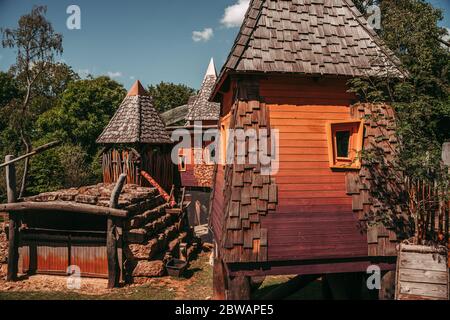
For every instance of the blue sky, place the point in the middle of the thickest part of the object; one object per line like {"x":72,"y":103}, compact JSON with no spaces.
{"x":149,"y":40}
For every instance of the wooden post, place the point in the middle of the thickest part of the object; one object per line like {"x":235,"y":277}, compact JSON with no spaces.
{"x":238,"y":288}
{"x":219,"y":275}
{"x":112,"y":237}
{"x":13,"y":249}
{"x":387,"y":290}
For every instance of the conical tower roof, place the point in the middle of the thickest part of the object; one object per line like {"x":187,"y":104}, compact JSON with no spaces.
{"x":315,"y":37}
{"x":135,"y":121}
{"x":201,"y":109}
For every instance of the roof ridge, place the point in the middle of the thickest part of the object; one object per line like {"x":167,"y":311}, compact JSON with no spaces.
{"x":250,"y":8}
{"x":326,"y":37}
{"x":375,"y":37}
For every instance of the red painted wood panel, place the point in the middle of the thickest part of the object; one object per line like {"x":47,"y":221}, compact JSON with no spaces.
{"x":314,"y":217}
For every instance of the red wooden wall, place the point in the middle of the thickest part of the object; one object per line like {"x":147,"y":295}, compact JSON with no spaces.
{"x":314,"y":217}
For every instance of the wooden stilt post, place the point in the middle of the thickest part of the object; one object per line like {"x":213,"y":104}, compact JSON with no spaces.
{"x":219,"y":275}
{"x":13,"y":249}
{"x":387,"y":290}
{"x":112,"y":237}
{"x":238,"y":288}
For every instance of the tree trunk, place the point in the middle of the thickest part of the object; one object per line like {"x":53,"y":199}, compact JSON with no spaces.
{"x":113,"y":237}
{"x":25,"y":170}
{"x":13,"y":248}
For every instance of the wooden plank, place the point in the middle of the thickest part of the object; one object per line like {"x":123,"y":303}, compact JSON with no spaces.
{"x":312,"y":187}
{"x":424,"y":289}
{"x":420,"y":261}
{"x":308,"y":172}
{"x":294,"y":194}
{"x":423,"y":276}
{"x":58,"y":206}
{"x":280,"y":108}
{"x":299,"y":115}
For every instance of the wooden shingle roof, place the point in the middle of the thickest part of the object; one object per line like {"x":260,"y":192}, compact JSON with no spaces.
{"x":319,"y":37}
{"x":201,"y":109}
{"x":135,"y":121}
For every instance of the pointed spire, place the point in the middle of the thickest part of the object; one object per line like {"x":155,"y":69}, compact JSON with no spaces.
{"x":201,"y":108}
{"x":137,"y":90}
{"x":211,"y":71}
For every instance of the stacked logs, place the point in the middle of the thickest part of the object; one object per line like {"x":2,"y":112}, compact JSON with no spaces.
{"x":153,"y":238}
{"x":153,"y":232}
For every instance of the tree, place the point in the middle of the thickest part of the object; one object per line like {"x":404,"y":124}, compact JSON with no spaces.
{"x":421,"y":102}
{"x":167,"y":95}
{"x":79,"y":117}
{"x":410,"y":29}
{"x":36,"y":44}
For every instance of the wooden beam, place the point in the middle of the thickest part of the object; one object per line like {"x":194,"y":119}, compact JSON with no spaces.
{"x":113,"y":237}
{"x":14,"y":221}
{"x":32,"y":153}
{"x":58,"y":206}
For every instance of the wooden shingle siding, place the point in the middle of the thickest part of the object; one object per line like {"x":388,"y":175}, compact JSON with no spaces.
{"x":249,"y":195}
{"x":380,"y":136}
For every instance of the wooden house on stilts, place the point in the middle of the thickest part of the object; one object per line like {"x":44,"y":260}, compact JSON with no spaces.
{"x":289,"y":70}
{"x":195,"y":162}
{"x":136,"y":140}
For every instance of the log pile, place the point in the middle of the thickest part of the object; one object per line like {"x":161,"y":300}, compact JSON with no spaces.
{"x":133,"y":198}
{"x":204,"y":174}
{"x":152,"y":234}
{"x":153,"y":238}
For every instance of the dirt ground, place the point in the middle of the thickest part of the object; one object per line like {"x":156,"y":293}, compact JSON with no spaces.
{"x":196,"y":285}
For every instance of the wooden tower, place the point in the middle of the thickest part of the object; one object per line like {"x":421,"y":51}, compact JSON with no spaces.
{"x":288,"y":70}
{"x":136,"y":139}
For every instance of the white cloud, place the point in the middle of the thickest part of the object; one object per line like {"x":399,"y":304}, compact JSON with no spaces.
{"x":132,"y":77}
{"x":446,"y":38}
{"x":204,"y":35}
{"x":114,"y":74}
{"x":84,"y":72}
{"x":234,"y":15}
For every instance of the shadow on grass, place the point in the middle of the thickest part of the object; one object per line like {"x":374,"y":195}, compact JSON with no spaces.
{"x":313,"y":291}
